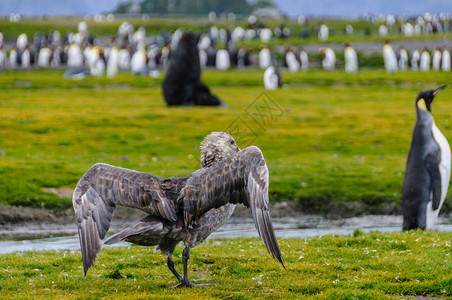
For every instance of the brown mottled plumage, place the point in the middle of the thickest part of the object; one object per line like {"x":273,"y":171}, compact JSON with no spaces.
{"x":186,"y":209}
{"x":215,"y":147}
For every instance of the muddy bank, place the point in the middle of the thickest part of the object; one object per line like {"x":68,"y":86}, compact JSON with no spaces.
{"x":11,"y":216}
{"x":18,"y":215}
{"x":15,"y":215}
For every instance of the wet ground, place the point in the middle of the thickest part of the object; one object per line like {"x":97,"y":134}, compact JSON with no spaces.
{"x":61,"y":233}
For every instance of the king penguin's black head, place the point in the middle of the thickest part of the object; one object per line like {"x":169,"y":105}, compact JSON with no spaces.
{"x":428,"y":95}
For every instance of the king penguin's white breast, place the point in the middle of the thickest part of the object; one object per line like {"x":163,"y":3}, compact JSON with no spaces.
{"x":444,"y":165}
{"x":444,"y":169}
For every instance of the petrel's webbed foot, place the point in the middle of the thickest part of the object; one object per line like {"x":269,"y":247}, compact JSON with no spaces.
{"x":184,"y":281}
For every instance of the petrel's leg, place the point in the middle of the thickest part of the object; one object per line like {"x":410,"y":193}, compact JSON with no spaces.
{"x":185,"y":281}
{"x":185,"y":258}
{"x":170,"y":264}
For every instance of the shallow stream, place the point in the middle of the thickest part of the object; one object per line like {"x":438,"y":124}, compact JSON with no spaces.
{"x":27,"y":237}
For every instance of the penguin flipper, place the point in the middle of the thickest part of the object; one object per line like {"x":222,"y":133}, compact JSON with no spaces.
{"x":432,"y":166}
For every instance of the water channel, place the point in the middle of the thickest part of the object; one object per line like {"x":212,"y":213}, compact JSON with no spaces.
{"x":32,"y":237}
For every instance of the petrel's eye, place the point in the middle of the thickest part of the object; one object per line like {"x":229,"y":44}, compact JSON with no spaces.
{"x":232,"y":142}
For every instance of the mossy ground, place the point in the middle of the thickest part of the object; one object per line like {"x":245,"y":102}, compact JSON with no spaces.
{"x":360,"y":266}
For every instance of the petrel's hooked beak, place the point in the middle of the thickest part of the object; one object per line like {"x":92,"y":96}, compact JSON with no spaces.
{"x":439,"y":89}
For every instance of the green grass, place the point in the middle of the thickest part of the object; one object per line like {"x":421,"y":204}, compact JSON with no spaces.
{"x":360,"y":266}
{"x":335,"y":142}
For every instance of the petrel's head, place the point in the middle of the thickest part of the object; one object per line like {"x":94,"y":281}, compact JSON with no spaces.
{"x":425,"y":98}
{"x":217,"y":146}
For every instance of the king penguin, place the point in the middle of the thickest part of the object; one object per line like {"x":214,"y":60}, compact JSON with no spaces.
{"x":428,"y":168}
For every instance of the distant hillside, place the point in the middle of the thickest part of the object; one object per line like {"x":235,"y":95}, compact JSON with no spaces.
{"x":355,"y":8}
{"x":57,"y":8}
{"x":191,"y":7}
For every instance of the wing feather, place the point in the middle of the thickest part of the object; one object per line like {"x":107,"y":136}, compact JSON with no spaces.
{"x":241,"y":178}
{"x":103,"y":187}
{"x":146,"y":225}
{"x":260,"y":209}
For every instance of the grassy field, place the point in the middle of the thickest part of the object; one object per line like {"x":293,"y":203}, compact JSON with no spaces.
{"x":334,"y":142}
{"x":370,"y":266}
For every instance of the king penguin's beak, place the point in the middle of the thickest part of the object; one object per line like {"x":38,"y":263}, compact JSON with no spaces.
{"x":439,"y":89}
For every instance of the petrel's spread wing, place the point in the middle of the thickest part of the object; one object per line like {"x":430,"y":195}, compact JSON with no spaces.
{"x":241,"y":178}
{"x":103,"y":187}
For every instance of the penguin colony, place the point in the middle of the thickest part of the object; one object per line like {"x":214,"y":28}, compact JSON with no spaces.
{"x":135,"y":51}
{"x":438,"y":60}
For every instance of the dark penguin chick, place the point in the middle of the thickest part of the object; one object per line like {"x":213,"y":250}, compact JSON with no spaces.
{"x":182,"y":85}
{"x":428,"y":168}
{"x":179,"y":209}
